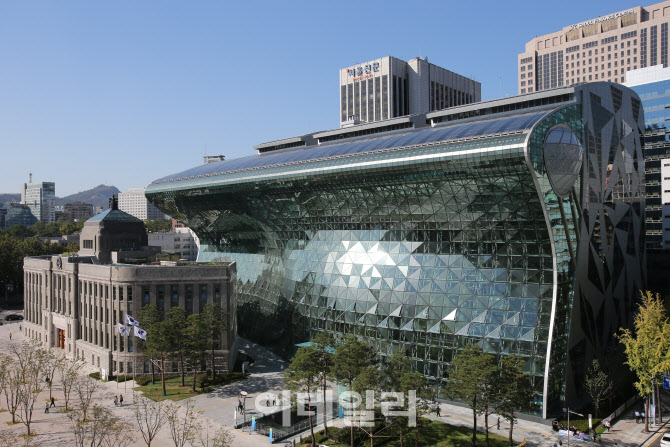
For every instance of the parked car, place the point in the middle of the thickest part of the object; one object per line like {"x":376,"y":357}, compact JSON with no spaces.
{"x":665,"y":440}
{"x":13,"y":317}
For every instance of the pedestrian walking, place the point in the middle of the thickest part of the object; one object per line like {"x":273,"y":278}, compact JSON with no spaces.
{"x":608,"y":425}
{"x":637,"y":417}
{"x":121,"y":400}
{"x":274,"y":401}
{"x":53,"y":402}
{"x":267,"y":403}
{"x":116,"y":401}
{"x":498,"y":424}
{"x":46,"y":408}
{"x":10,"y":335}
{"x":19,"y":328}
{"x":438,"y":411}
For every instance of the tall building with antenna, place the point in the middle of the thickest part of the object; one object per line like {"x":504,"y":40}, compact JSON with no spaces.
{"x":40,"y":197}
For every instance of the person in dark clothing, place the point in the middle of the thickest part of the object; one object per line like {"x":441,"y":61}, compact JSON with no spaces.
{"x":438,"y":411}
{"x":46,"y":408}
{"x":53,"y":402}
{"x":121,"y":400}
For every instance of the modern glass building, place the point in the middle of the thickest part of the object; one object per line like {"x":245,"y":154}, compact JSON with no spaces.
{"x":652,"y":84}
{"x":516,"y":224}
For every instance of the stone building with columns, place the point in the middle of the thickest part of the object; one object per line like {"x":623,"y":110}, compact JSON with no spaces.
{"x":75,"y":302}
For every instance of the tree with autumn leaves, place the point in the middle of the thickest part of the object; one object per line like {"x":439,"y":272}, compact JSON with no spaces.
{"x":647,"y":346}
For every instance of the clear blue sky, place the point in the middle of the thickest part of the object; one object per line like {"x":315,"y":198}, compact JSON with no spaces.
{"x":124,"y":92}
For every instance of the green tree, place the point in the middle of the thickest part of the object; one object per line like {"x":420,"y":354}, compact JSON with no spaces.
{"x":401,"y":377}
{"x":72,"y":247}
{"x":216,"y":322}
{"x":148,"y":316}
{"x":196,"y":338}
{"x":9,"y":380}
{"x":351,"y":357}
{"x":302,"y":375}
{"x":176,"y":322}
{"x":369,"y":383}
{"x":161,"y":342}
{"x":157,"y":225}
{"x":69,"y":373}
{"x":513,"y":391}
{"x":648,"y":347}
{"x":598,"y":385}
{"x":472,"y":377}
{"x":27,"y":380}
{"x":324,"y":346}
{"x":67,"y":228}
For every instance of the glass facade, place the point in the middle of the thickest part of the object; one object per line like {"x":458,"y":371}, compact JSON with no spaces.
{"x":655,"y":98}
{"x":431,"y":247}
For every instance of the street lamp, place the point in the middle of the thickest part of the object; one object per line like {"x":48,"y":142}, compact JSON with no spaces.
{"x":567,"y":410}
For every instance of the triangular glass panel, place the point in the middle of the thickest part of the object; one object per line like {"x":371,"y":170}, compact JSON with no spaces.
{"x":481,"y":318}
{"x":384,"y":323}
{"x":396,"y":312}
{"x":423,"y":314}
{"x":451,"y":316}
{"x":435,"y":329}
{"x":464,"y":330}
{"x":528,"y":336}
{"x":494,"y":333}
{"x":513,"y":320}
{"x":408,"y":326}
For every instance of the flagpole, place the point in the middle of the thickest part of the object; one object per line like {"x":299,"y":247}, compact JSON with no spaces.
{"x":117,"y":359}
{"x":125,"y":373}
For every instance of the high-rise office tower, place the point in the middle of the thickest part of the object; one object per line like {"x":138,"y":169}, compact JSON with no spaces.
{"x":600,"y":49}
{"x":389,"y":87}
{"x":40,"y":197}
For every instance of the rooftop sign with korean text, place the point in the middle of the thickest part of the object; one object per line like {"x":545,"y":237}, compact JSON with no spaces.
{"x":363,"y":71}
{"x":602,"y":19}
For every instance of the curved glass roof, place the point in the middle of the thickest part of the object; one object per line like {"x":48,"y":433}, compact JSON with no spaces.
{"x":470,"y":129}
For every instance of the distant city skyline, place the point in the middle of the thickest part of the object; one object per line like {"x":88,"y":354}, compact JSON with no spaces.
{"x":124,"y":93}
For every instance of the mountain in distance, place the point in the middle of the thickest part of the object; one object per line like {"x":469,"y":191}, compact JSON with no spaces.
{"x":10,"y":198}
{"x":98,"y":196}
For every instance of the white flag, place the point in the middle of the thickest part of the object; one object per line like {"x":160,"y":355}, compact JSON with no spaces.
{"x":140,"y":333}
{"x":123,"y":330}
{"x":130,"y":321}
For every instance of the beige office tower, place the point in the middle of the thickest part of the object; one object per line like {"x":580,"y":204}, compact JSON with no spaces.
{"x":600,"y":49}
{"x":387,"y":88}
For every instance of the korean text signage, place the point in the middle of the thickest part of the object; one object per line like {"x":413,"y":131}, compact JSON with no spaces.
{"x":602,"y":19}
{"x":363,"y":71}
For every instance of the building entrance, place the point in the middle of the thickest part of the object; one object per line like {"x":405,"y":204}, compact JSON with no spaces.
{"x":61,"y":338}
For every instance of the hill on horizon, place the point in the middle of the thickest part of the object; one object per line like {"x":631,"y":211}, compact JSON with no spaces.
{"x":98,"y":196}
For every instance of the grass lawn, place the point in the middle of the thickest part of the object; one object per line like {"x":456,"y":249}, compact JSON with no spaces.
{"x":432,"y":434}
{"x":176,"y":392}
